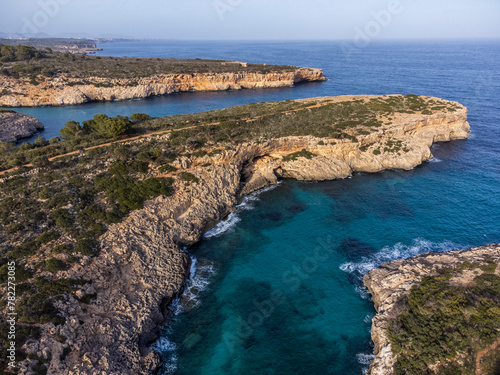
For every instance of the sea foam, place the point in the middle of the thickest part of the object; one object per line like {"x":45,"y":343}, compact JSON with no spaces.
{"x":391,"y":253}
{"x":200,"y":277}
{"x":230,"y":222}
{"x":365,"y":359}
{"x":397,"y":251}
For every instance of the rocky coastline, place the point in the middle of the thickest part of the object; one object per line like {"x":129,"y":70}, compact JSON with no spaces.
{"x":142,"y":265}
{"x":391,"y":283}
{"x":15,"y":126}
{"x":66,"y":90}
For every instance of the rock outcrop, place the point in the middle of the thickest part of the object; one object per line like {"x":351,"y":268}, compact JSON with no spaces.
{"x":391,"y":282}
{"x":68,"y":91}
{"x":142,"y":265}
{"x":15,"y":126}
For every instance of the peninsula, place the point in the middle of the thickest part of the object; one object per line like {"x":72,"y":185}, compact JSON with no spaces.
{"x":32,"y":77}
{"x":438,"y":313}
{"x":96,"y":223}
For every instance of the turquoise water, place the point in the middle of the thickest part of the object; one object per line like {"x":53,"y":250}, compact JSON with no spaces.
{"x":276,"y":288}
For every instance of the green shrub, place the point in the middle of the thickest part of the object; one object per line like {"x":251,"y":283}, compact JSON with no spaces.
{"x":66,"y":249}
{"x":54,"y":265}
{"x":443,"y":321}
{"x":71,"y":129}
{"x":45,"y":193}
{"x":20,"y":274}
{"x":87,"y":246}
{"x":88,"y":298}
{"x":137,"y":117}
{"x":40,"y":141}
{"x":299,"y":154}
{"x":107,"y":127}
{"x":62,"y":218}
{"x":41,"y":162}
{"x":47,"y":237}
{"x":26,"y":249}
{"x":143,"y":156}
{"x":167,"y":168}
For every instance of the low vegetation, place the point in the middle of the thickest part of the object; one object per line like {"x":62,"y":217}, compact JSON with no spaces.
{"x":53,"y":212}
{"x":37,"y":64}
{"x":50,"y":222}
{"x":346,"y":121}
{"x":303,"y":153}
{"x":447,"y":325}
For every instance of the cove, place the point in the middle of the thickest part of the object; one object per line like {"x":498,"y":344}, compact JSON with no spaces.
{"x":261,"y":301}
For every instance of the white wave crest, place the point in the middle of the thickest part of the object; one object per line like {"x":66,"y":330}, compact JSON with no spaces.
{"x":224,"y":226}
{"x":366,"y":360}
{"x":200,"y":277}
{"x":398,"y":251}
{"x":435,"y":160}
{"x":168,"y":351}
{"x":362,"y":291}
{"x":230,"y":222}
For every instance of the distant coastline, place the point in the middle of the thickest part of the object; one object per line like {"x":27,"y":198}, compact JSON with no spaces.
{"x":34,"y":77}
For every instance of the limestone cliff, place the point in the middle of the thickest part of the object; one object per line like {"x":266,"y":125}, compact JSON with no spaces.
{"x":142,"y":265}
{"x":64,"y":90}
{"x":391,"y":282}
{"x":15,"y":126}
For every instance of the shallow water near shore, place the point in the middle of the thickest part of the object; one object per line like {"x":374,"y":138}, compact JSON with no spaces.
{"x":276,"y":288}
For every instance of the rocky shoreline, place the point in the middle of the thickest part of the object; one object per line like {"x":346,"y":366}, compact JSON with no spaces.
{"x":15,"y":126}
{"x":391,"y":282}
{"x":65,"y":90}
{"x":142,"y":265}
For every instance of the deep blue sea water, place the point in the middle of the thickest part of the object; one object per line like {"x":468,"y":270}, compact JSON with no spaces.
{"x":276,"y":288}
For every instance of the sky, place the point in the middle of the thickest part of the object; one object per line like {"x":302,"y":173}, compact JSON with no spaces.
{"x":254,"y":19}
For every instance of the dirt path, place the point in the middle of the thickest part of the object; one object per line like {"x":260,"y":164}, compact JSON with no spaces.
{"x":482,"y":353}
{"x":322,"y":102}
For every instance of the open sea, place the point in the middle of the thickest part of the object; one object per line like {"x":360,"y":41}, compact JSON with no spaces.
{"x":276,"y":288}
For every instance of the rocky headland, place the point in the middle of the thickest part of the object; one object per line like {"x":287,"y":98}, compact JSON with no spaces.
{"x":390,"y":285}
{"x":15,"y":126}
{"x":142,"y":266}
{"x":67,"y":90}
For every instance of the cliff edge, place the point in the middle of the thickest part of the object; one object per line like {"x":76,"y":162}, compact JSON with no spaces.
{"x":141,"y":265}
{"x":390,"y":286}
{"x":67,"y":90}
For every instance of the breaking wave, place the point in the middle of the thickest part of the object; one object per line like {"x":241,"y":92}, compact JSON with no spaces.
{"x":234,"y":217}
{"x":365,"y":360}
{"x":397,"y":251}
{"x":391,"y":253}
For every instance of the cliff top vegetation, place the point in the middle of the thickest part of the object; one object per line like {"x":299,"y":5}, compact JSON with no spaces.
{"x":28,"y":62}
{"x":53,"y":211}
{"x":446,"y":326}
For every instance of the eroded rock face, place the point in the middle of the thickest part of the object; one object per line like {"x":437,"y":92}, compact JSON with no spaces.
{"x":15,"y":126}
{"x":70,"y":91}
{"x":391,"y":282}
{"x":142,"y":265}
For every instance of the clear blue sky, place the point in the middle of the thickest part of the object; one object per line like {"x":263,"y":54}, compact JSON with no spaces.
{"x":254,"y":19}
